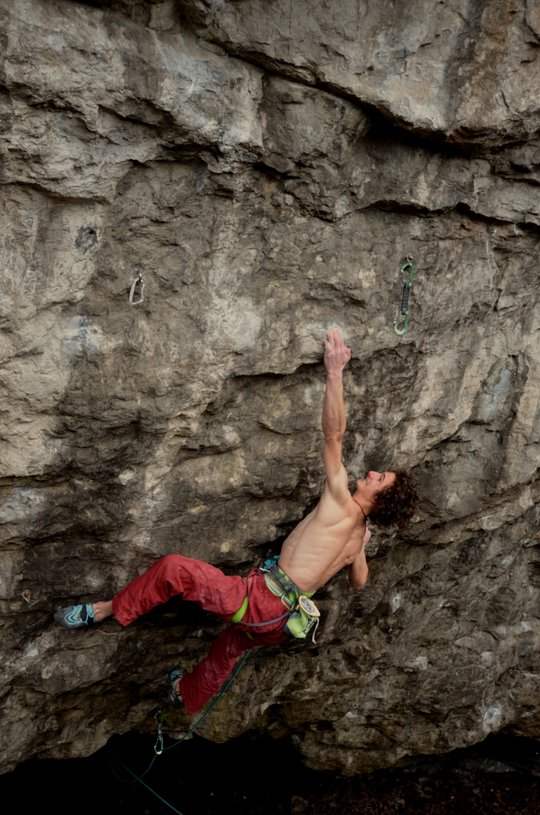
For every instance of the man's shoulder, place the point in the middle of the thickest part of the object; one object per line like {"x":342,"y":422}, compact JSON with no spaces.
{"x":336,"y":502}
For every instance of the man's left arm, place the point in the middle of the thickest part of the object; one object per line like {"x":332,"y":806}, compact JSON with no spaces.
{"x":359,"y":570}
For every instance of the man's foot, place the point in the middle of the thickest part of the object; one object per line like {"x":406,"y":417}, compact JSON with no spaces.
{"x":175,"y":699}
{"x":79,"y":616}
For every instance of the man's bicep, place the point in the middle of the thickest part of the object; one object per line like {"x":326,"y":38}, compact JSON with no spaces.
{"x":337,"y":481}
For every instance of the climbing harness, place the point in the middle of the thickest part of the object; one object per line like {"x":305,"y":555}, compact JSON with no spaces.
{"x":238,"y":617}
{"x":136,"y":292}
{"x":407,"y":272}
{"x":262,"y":624}
{"x":302,"y":614}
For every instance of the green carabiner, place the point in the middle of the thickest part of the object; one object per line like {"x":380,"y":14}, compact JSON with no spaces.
{"x":407,"y":272}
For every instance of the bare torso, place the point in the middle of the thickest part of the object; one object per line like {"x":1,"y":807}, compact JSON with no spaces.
{"x":323,"y":543}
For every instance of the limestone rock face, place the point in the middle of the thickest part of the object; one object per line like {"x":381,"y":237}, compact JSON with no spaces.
{"x":262,"y":169}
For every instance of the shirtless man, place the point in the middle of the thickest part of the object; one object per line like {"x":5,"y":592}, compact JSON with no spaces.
{"x":259,"y":607}
{"x":334,"y":534}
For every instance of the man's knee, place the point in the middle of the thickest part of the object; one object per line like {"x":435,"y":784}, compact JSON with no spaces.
{"x":169,"y":563}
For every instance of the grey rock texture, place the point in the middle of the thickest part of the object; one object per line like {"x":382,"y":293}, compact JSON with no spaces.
{"x":265,"y":167}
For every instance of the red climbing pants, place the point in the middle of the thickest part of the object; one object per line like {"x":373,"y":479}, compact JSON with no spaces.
{"x":214,"y":591}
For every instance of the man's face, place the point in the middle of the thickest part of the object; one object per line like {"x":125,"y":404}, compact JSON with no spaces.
{"x":373,"y":483}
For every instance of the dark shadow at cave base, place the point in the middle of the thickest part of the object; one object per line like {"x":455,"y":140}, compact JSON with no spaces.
{"x":250,"y":776}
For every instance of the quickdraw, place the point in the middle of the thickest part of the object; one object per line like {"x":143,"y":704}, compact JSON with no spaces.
{"x":407,"y":271}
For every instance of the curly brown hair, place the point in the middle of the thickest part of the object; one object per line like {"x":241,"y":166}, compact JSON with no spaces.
{"x":396,"y":504}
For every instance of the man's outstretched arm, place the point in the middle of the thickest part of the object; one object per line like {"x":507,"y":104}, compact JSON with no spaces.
{"x":336,"y":356}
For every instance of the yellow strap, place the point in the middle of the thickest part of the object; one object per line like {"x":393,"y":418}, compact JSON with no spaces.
{"x":237,"y":616}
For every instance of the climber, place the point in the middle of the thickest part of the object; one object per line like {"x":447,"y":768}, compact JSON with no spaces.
{"x":268,"y":605}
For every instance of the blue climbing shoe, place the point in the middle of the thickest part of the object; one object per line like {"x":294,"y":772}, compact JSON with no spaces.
{"x":174,"y":697}
{"x":78,"y":616}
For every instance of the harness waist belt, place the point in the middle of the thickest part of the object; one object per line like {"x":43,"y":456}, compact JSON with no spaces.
{"x":280,"y":584}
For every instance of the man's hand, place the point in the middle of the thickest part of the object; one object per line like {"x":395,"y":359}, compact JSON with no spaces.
{"x":336,"y":354}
